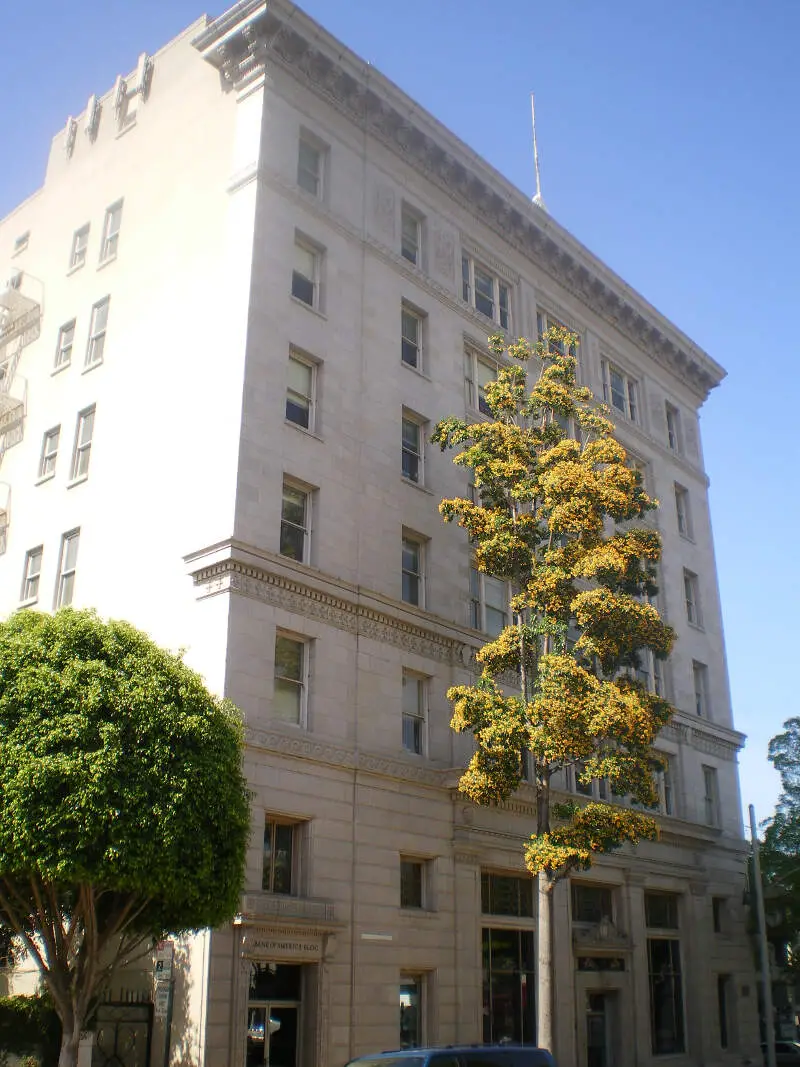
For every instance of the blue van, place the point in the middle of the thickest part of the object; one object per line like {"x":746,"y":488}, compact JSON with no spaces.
{"x":460,"y":1056}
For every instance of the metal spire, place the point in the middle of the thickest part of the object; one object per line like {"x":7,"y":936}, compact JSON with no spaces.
{"x":537,"y":197}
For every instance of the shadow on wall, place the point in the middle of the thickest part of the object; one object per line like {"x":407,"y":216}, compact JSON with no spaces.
{"x":184,"y":1037}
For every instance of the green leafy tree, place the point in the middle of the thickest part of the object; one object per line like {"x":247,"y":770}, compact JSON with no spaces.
{"x":552,"y":515}
{"x":780,"y":851}
{"x":124,"y":812}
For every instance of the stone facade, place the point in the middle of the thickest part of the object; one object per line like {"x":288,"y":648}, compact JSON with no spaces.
{"x":180,"y":519}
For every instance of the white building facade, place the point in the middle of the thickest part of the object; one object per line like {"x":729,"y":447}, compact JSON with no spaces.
{"x":255,"y":277}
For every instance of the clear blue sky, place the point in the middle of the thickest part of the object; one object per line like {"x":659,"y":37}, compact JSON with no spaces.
{"x":668,"y":143}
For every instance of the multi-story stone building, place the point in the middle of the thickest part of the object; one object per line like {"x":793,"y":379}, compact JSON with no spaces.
{"x":255,"y":276}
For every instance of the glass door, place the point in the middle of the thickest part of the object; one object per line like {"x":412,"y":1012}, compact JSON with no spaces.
{"x":272,"y":1035}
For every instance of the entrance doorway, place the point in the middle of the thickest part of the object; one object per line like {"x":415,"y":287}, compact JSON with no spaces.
{"x":273,"y":1015}
{"x":600,"y":1030}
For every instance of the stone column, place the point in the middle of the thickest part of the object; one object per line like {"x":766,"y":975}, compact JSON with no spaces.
{"x":467,"y":929}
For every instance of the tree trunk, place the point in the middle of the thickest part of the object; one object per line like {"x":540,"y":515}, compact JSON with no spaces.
{"x":545,"y":985}
{"x":70,"y":1039}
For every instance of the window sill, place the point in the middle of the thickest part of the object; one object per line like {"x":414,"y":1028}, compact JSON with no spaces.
{"x":126,"y":125}
{"x":91,"y":366}
{"x":415,"y":370}
{"x":77,"y":481}
{"x":696,"y":626}
{"x":61,"y":367}
{"x":105,"y":262}
{"x":417,"y":913}
{"x":76,"y":267}
{"x":303,"y":430}
{"x":45,"y":478}
{"x":687,"y":538}
{"x":416,"y":485}
{"x":29,"y":602}
{"x":308,"y":307}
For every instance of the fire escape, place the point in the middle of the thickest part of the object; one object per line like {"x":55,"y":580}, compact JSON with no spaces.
{"x":20,"y":324}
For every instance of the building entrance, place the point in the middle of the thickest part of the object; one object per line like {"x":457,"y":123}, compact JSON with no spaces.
{"x":599,"y":1030}
{"x":273,"y":1015}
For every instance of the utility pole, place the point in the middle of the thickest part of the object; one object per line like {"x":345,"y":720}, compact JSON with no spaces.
{"x":766,"y":977}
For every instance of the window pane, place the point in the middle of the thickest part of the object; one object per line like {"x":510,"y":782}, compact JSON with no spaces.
{"x":412,"y":734}
{"x":294,"y":505}
{"x":100,"y":317}
{"x":411,"y":557}
{"x":302,"y":288}
{"x":287,"y":702}
{"x":661,"y":910}
{"x":465,"y":286}
{"x":300,"y":376}
{"x":412,"y":695}
{"x":590,"y":903}
{"x":282,"y":859}
{"x":308,"y":168}
{"x":666,"y":997}
{"x":410,"y":340}
{"x":410,"y":1013}
{"x":298,"y":410}
{"x":304,"y":261}
{"x":410,"y":884}
{"x":289,"y":658}
{"x":409,"y":244}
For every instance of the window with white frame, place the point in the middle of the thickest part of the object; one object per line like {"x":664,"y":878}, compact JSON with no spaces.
{"x":414,"y":712}
{"x":665,"y":788}
{"x":410,"y":235}
{"x":478,"y":372}
{"x":31,"y":574}
{"x":545,"y":322}
{"x":80,"y":246}
{"x":49,"y":454}
{"x":700,"y":680}
{"x":710,"y":796}
{"x":650,"y":671}
{"x":411,"y":329}
{"x":279,"y":856}
{"x":82,"y":449}
{"x":674,"y":434}
{"x":301,"y":391}
{"x":111,"y":225}
{"x":413,"y":577}
{"x":97,"y":332}
{"x":290,"y":695}
{"x":310,"y":164}
{"x":484,"y":291}
{"x":682,"y":512}
{"x":21,"y":242}
{"x":66,"y":339}
{"x":413,"y":448}
{"x":306,"y":272}
{"x":67,"y":563}
{"x":295,"y":539}
{"x":620,"y":391}
{"x":489,"y":603}
{"x":691,"y":592}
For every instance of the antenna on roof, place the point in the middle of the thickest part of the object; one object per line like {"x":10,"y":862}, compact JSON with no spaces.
{"x":537,"y":196}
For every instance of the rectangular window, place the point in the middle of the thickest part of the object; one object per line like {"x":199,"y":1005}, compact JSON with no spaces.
{"x":723,"y":995}
{"x":665,"y":787}
{"x":591,"y":903}
{"x":278,"y":856}
{"x":80,"y":245}
{"x":412,"y":883}
{"x":410,"y":235}
{"x":301,"y":391}
{"x":682,"y":512}
{"x":478,"y":373}
{"x":484,"y":291}
{"x":411,"y":338}
{"x":67,"y":561}
{"x":413,"y":590}
{"x":661,"y":910}
{"x":509,"y":987}
{"x":620,"y":391}
{"x":414,"y":712}
{"x":545,"y":322}
{"x":700,"y":677}
{"x":295,"y":523}
{"x":692,"y":595}
{"x":412,"y":1008}
{"x":111,"y":225}
{"x":306,"y":273}
{"x":83,"y":445}
{"x":413,"y":452}
{"x":291,"y":682}
{"x":650,"y":671}
{"x":489,"y":603}
{"x":66,"y":339}
{"x":666,"y":996}
{"x":710,"y":796}
{"x":97,"y":332}
{"x":717,"y":913}
{"x":47,"y":460}
{"x":31,"y":574}
{"x":21,"y":242}
{"x":674,"y":437}
{"x":310,"y":166}
{"x":506,"y":894}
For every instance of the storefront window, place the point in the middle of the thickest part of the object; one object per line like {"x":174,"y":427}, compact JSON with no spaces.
{"x":509,"y":1012}
{"x":411,"y":990}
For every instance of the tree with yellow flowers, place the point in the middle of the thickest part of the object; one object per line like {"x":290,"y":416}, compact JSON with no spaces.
{"x":555,"y":515}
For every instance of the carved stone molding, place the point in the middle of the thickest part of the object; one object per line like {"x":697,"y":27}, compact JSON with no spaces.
{"x":230,"y":576}
{"x":69,"y":136}
{"x":93,"y":111}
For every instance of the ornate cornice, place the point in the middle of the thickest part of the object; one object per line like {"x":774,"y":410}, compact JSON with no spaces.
{"x":233,"y":576}
{"x":251,"y":36}
{"x":703,"y":738}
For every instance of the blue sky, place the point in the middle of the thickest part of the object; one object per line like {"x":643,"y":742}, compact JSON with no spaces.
{"x":667,"y":136}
